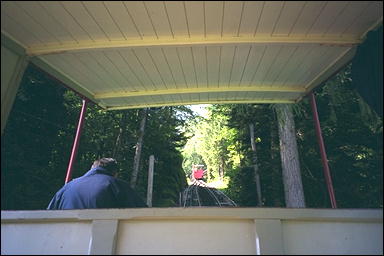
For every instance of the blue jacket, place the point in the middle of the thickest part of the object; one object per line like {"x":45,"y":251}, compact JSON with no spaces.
{"x":95,"y":189}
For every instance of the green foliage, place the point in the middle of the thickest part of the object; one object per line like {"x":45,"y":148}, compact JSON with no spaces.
{"x":37,"y":143}
{"x":38,"y":138}
{"x":353,"y":143}
{"x":211,"y":145}
{"x":352,"y":134}
{"x":267,"y":150}
{"x":30,"y":135}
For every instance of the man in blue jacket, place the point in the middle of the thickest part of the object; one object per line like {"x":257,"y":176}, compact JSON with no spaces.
{"x":98,"y":188}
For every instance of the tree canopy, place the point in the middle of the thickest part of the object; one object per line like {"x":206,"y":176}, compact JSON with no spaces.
{"x":353,"y":138}
{"x":37,"y":142}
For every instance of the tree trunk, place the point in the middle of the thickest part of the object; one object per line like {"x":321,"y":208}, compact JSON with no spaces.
{"x":221,"y":169}
{"x":274,"y":168}
{"x":293,"y":187}
{"x":255,"y":165}
{"x":139,"y":145}
{"x":150,"y":180}
{"x":118,"y":143}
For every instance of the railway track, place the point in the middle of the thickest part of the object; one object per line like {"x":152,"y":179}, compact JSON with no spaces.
{"x":199,"y":194}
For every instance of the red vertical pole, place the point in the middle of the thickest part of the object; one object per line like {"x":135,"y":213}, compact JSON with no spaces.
{"x":323,"y":154}
{"x":76,"y":142}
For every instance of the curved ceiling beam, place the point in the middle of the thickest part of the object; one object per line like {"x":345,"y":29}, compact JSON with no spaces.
{"x":99,"y":45}
{"x":255,"y":88}
{"x":256,"y":101}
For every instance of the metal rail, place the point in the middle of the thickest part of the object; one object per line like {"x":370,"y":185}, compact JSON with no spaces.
{"x":192,"y":196}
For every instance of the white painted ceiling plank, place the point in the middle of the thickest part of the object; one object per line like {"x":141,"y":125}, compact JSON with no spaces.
{"x":269,"y":63}
{"x":292,"y":67}
{"x":47,"y":21}
{"x":101,"y":63}
{"x":59,"y":13}
{"x":100,"y":83}
{"x":269,"y":17}
{"x":195,"y":97}
{"x":226,"y":65}
{"x":303,"y":68}
{"x":70,"y":61}
{"x":140,"y":18}
{"x":159,"y":18}
{"x":352,"y":12}
{"x":279,"y":65}
{"x":98,"y":10}
{"x":162,"y":65}
{"x":200,"y":65}
{"x":371,"y":15}
{"x":123,"y":19}
{"x":187,"y":65}
{"x":19,"y":33}
{"x":177,"y":17}
{"x":318,"y":55}
{"x":18,"y":14}
{"x":166,"y":98}
{"x":132,"y":101}
{"x":241,"y":95}
{"x":125,"y":69}
{"x":307,"y":18}
{"x":323,"y":61}
{"x":91,"y":63}
{"x":254,"y":60}
{"x":213,"y":59}
{"x":125,"y":61}
{"x":122,"y":83}
{"x":251,"y":16}
{"x":190,"y":64}
{"x":267,"y":60}
{"x":232,"y":17}
{"x":195,"y":15}
{"x":179,"y":97}
{"x":174,"y":64}
{"x":203,"y":97}
{"x":171,"y":99}
{"x":157,"y":99}
{"x":82,"y":17}
{"x":289,"y":16}
{"x":213,"y":18}
{"x":150,"y":67}
{"x":185,"y":97}
{"x":241,"y":59}
{"x":61,"y":64}
{"x":138,"y":67}
{"x":327,"y":17}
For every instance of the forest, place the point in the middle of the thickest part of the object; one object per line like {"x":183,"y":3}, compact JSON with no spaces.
{"x":38,"y":138}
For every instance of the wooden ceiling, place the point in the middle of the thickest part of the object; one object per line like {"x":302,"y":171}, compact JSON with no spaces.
{"x":135,"y":54}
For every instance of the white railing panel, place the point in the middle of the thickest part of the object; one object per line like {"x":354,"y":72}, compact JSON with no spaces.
{"x":45,"y":238}
{"x":322,"y":237}
{"x":195,"y":230}
{"x":168,"y":237}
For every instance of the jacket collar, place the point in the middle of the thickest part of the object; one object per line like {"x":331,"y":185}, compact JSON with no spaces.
{"x":98,"y":170}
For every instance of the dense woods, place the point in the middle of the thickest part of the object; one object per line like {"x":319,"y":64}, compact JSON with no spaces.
{"x":37,"y":142}
{"x":352,"y":135}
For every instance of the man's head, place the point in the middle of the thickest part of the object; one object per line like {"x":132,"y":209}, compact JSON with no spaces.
{"x":109,"y":164}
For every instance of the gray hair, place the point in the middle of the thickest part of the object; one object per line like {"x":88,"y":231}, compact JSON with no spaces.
{"x":109,"y":164}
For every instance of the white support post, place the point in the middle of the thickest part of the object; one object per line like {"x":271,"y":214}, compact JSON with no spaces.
{"x":269,"y":238}
{"x":150,"y":180}
{"x":13,"y":64}
{"x":103,"y":237}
